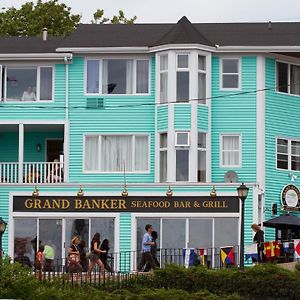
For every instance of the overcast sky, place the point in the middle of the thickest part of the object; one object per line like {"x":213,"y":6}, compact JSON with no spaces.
{"x":161,"y":11}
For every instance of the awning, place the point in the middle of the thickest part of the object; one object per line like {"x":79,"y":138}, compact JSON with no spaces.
{"x":284,"y":221}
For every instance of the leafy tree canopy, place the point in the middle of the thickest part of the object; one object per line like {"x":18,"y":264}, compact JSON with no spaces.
{"x":99,"y":18}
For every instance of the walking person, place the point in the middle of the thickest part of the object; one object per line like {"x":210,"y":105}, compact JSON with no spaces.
{"x":95,"y":250}
{"x":73,"y":263}
{"x":83,"y":259}
{"x":259,"y":240}
{"x":146,"y":249}
{"x":104,"y":255}
{"x":153,"y":252}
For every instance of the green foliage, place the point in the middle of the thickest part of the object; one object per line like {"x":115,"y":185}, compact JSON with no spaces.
{"x":297,"y":266}
{"x":117,"y":19}
{"x":31,"y":18}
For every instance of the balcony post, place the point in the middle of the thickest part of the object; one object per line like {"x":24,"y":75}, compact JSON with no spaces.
{"x":21,"y":152}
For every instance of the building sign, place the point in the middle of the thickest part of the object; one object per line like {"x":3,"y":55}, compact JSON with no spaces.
{"x":290,"y":197}
{"x":219,"y":204}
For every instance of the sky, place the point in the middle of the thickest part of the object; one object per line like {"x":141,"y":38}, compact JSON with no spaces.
{"x":197,"y":11}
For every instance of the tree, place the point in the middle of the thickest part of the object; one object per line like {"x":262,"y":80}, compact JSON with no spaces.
{"x":31,"y":18}
{"x":117,"y":19}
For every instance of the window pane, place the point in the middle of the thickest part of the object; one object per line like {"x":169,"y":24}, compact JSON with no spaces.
{"x":21,"y":84}
{"x":163,"y":62}
{"x":46,"y":83}
{"x":117,"y":76}
{"x":295,"y":148}
{"x":295,"y":163}
{"x":163,"y":87}
{"x":295,"y":80}
{"x":201,"y":62}
{"x":200,"y":233}
{"x":230,"y":66}
{"x":202,"y":88}
{"x":201,"y":166}
{"x":142,"y":76}
{"x":182,"y":138}
{"x":230,"y":81}
{"x":201,"y":140}
{"x":282,"y":77}
{"x":183,"y":86}
{"x":91,"y":153}
{"x":169,"y":239}
{"x":25,"y":241}
{"x":163,"y":140}
{"x":92,"y":85}
{"x":231,"y":142}
{"x":282,"y":146}
{"x":182,"y":165}
{"x":163,"y":166}
{"x":282,"y":161}
{"x":140,"y":226}
{"x":141,"y":153}
{"x":226,"y":232}
{"x":182,"y":61}
{"x":116,"y":152}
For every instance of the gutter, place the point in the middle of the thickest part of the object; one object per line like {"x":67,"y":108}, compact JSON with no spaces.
{"x":37,"y":56}
{"x":97,"y":50}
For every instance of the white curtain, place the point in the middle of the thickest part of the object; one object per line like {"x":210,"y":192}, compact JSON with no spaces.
{"x":129,"y":76}
{"x":142,"y":76}
{"x":92,"y":85}
{"x":295,"y":80}
{"x":91,"y":153}
{"x":141,"y":153}
{"x":116,"y":151}
{"x":230,"y":150}
{"x":46,"y":83}
{"x":104,"y":77}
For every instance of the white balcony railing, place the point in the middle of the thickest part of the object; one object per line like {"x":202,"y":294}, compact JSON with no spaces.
{"x":33,"y":172}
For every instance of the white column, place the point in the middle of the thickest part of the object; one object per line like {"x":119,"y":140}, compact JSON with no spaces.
{"x":157,"y":88}
{"x":21,"y":151}
{"x":193,"y":159}
{"x":209,"y":104}
{"x":66,"y":150}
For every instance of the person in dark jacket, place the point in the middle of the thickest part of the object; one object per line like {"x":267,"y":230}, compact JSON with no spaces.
{"x":104,"y":255}
{"x":153,"y":252}
{"x":259,"y":240}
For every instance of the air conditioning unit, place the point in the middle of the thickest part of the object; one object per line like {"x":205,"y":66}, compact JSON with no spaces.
{"x":182,"y":139}
{"x":95,"y":103}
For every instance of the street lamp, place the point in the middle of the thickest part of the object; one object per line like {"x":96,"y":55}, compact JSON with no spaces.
{"x":2,"y":230}
{"x":242,"y":191}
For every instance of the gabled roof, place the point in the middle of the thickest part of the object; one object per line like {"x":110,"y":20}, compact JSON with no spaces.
{"x":184,"y":32}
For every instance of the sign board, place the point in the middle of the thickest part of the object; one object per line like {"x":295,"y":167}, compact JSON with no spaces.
{"x":290,"y":197}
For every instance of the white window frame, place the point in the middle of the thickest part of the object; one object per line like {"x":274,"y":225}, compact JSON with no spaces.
{"x":38,"y":74}
{"x":182,"y":145}
{"x":178,"y":69}
{"x":205,"y":73}
{"x":288,"y":79}
{"x":289,"y":153}
{"x":165,"y":71}
{"x":202,"y":149}
{"x":98,"y":171}
{"x":239,"y":73}
{"x":134,"y":68}
{"x":163,"y":149}
{"x":239,"y":165}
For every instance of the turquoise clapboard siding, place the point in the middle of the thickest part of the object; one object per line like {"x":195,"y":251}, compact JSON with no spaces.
{"x":9,"y":151}
{"x":236,"y":114}
{"x":182,"y":116}
{"x":281,"y":111}
{"x":121,"y":114}
{"x":203,"y":118}
{"x":162,"y":118}
{"x":41,"y":110}
{"x":125,"y":241}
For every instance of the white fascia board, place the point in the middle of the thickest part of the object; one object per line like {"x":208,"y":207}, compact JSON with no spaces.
{"x":36,"y":56}
{"x":91,"y":50}
{"x":258,"y":48}
{"x":181,"y":46}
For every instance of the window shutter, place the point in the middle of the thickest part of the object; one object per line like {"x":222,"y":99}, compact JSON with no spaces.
{"x":95,"y":103}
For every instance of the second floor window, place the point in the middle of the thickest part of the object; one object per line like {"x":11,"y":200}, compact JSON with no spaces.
{"x":288,"y":154}
{"x":117,"y":76}
{"x":230,"y":150}
{"x":230,"y":72}
{"x":182,"y":78}
{"x":27,"y":83}
{"x":113,"y":153}
{"x":201,"y":171}
{"x":288,"y":78}
{"x":163,"y":153}
{"x":182,"y":156}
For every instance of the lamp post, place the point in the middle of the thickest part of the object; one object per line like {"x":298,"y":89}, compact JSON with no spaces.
{"x":242,"y":191}
{"x":2,"y":230}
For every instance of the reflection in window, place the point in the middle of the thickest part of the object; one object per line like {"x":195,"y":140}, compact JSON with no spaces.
{"x":142,"y":76}
{"x":92,"y":76}
{"x":182,"y":164}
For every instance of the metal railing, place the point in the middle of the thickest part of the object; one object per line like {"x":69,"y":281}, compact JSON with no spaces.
{"x":33,"y":172}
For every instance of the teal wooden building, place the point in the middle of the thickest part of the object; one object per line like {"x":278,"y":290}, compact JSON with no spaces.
{"x":147,"y":108}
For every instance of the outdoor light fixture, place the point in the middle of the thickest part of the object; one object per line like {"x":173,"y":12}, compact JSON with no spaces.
{"x":169,"y":192}
{"x":242,"y":191}
{"x":38,"y":147}
{"x":124,"y":192}
{"x":213,"y":192}
{"x":80,"y":193}
{"x":2,"y":230}
{"x":35,"y":192}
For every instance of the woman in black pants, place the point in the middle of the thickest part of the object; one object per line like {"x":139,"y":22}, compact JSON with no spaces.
{"x":104,"y":255}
